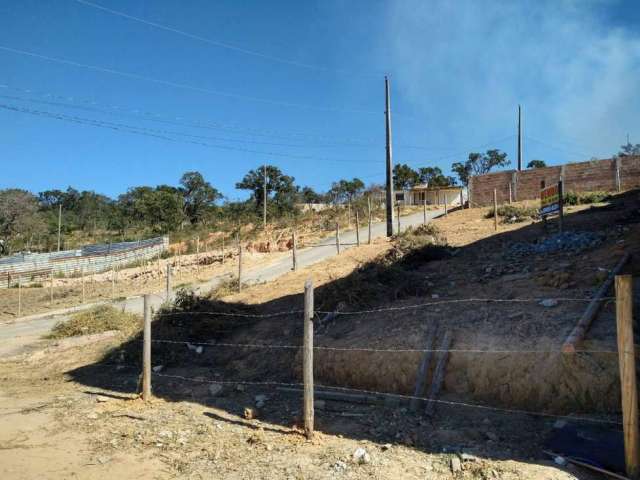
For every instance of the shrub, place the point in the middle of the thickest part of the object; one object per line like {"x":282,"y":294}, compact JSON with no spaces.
{"x":514,"y":213}
{"x":585,"y":198}
{"x":97,"y":320}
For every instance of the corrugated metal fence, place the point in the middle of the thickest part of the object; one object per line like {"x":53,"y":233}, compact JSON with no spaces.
{"x":89,"y":259}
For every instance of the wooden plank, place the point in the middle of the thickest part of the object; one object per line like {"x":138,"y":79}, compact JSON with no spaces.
{"x":438,"y":374}
{"x":580,"y":330}
{"x":626,"y":356}
{"x":423,"y":370}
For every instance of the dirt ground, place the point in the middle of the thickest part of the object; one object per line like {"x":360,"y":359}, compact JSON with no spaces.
{"x":149,"y":278}
{"x":505,"y":355}
{"x":72,"y":430}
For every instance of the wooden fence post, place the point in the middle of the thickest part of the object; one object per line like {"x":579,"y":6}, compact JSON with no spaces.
{"x":223,"y":249}
{"x":338,"y":238}
{"x":19,"y":296}
{"x":113,"y":283}
{"x":510,"y":194}
{"x":495,"y":209}
{"x":168,"y":286}
{"x":424,"y":210}
{"x":357,"y":228}
{"x":239,"y":264}
{"x":82,"y":274}
{"x":146,"y":350}
{"x":446,"y":205}
{"x":51,"y":288}
{"x":294,"y":252}
{"x":307,"y":359}
{"x":398,"y":215}
{"x":626,"y":355}
{"x":369,"y":211}
{"x":560,"y":205}
{"x":198,"y":253}
{"x":461,"y":200}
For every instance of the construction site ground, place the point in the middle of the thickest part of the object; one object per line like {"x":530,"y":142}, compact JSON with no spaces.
{"x":71,"y":410}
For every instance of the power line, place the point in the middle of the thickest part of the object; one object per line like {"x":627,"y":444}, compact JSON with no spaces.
{"x":555,"y":147}
{"x":216,"y":43}
{"x":160,"y":134}
{"x":181,"y":85}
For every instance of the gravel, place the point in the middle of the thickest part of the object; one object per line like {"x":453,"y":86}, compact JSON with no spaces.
{"x":572,"y":242}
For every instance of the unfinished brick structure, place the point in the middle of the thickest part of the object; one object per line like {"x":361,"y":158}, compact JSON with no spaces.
{"x":610,"y":175}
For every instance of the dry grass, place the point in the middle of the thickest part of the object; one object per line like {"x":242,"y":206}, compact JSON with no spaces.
{"x":97,"y":320}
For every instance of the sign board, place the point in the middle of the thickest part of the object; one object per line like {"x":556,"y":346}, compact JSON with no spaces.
{"x":550,"y":200}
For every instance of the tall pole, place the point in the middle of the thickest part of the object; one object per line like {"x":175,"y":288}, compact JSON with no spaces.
{"x":59,"y":223}
{"x":519,"y":140}
{"x":387,"y":116}
{"x":264,"y":197}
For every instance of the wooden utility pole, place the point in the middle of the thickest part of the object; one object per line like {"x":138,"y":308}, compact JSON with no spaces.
{"x":626,"y":355}
{"x":389,"y":205}
{"x":369,"y":213}
{"x":519,"y":140}
{"x":264,"y":197}
{"x":307,"y":359}
{"x":59,"y":224}
{"x":146,"y":350}
{"x":357,"y":228}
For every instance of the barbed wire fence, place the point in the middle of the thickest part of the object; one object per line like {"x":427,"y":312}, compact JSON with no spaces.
{"x":625,"y":353}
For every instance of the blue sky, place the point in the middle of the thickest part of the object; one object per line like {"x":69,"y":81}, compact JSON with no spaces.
{"x":300,"y":85}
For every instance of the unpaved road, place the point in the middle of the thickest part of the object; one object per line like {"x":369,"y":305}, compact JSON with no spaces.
{"x":14,"y":336}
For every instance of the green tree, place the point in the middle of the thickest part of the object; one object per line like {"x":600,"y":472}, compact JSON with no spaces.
{"x":433,"y":177}
{"x":629,"y":149}
{"x":479,"y":164}
{"x":198,"y":195}
{"x":404,"y":176}
{"x":309,"y":195}
{"x":280,"y":188}
{"x":536,"y":164}
{"x":20,"y":219}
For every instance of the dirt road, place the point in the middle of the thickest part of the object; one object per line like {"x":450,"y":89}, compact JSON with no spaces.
{"x":14,"y":336}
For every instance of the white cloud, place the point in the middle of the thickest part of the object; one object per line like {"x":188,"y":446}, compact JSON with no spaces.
{"x":469,"y":63}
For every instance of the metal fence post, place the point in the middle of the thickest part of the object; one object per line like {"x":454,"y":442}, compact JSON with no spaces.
{"x":307,"y":359}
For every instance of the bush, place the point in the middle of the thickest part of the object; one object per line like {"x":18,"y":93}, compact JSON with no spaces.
{"x":585,"y":198}
{"x":97,"y":320}
{"x":514,"y":214}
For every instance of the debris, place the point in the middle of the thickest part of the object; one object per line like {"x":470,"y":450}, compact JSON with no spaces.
{"x":195,"y":348}
{"x":385,"y":447}
{"x":260,"y":398}
{"x":102,"y":399}
{"x":340,"y":466}
{"x":549,"y":302}
{"x":361,"y":456}
{"x":573,"y":242}
{"x":157,"y":368}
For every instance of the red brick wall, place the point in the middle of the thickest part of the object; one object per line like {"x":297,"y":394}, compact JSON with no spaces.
{"x":596,"y":175}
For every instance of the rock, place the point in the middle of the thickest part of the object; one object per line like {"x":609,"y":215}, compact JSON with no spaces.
{"x":467,"y":457}
{"x":92,"y":416}
{"x":195,"y":348}
{"x":456,"y":464}
{"x":340,"y":466}
{"x":549,"y":302}
{"x":250,"y":413}
{"x":361,"y":456}
{"x":260,"y":404}
{"x":215,"y":389}
{"x":102,"y":399}
{"x":435,"y":295}
{"x":491,"y":436}
{"x":157,"y":368}
{"x":260,"y":398}
{"x":560,"y":461}
{"x":239,"y":388}
{"x":385,"y":447}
